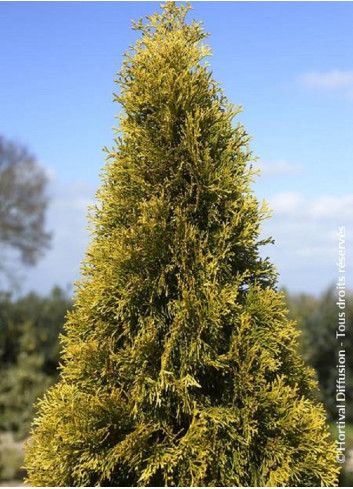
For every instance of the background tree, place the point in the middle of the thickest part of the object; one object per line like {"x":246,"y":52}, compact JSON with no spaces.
{"x":180,"y":366}
{"x":317,"y":318}
{"x":29,"y":329}
{"x":23,"y":202}
{"x":29,"y":358}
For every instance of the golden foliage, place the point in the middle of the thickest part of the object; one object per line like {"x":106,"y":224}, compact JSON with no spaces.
{"x":180,"y":366}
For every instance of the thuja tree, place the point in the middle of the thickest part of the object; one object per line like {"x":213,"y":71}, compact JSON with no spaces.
{"x":180,"y":366}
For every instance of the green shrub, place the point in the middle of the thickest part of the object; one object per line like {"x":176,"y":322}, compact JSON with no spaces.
{"x":28,"y":355}
{"x":21,"y":386}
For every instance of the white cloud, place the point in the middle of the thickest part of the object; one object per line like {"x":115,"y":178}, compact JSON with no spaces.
{"x":279,"y":168}
{"x":286,"y":202}
{"x":333,"y":207}
{"x":334,"y":81}
{"x":305,"y":233}
{"x":324,"y":207}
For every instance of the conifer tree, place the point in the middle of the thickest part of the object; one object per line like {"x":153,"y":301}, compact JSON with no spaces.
{"x":180,"y":366}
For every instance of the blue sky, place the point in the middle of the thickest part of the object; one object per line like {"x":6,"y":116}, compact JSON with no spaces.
{"x":288,"y":63}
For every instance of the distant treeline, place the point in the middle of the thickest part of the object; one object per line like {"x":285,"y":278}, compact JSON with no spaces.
{"x":29,"y":354}
{"x":29,"y":349}
{"x":317,"y":319}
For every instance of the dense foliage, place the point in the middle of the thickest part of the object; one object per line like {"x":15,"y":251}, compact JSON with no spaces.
{"x":46,"y":315}
{"x":180,"y":366}
{"x":29,"y":349}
